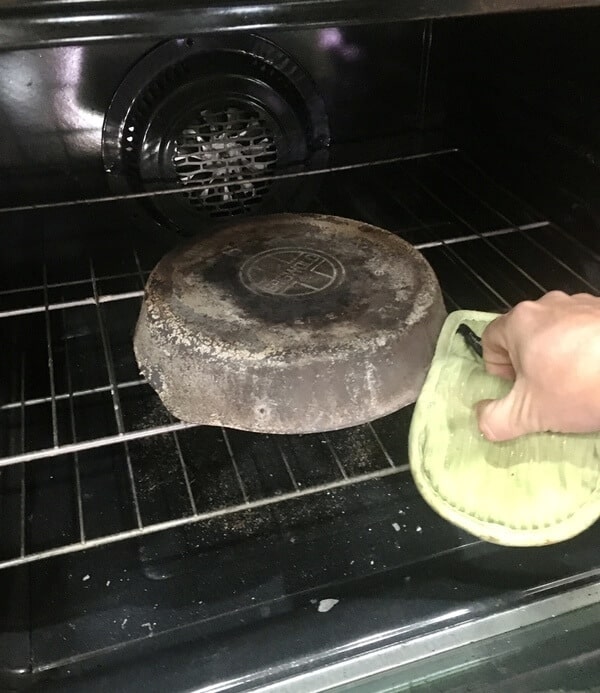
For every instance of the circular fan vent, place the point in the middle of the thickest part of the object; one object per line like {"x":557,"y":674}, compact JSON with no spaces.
{"x":219,"y":121}
{"x":226,"y":150}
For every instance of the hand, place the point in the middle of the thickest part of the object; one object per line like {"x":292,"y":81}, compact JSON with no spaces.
{"x":551,"y":349}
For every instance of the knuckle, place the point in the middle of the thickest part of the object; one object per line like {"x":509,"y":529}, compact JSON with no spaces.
{"x":523,"y":310}
{"x":585,"y":298}
{"x":554,"y":295}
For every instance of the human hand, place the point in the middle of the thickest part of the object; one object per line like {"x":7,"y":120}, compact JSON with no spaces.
{"x":551,"y":349}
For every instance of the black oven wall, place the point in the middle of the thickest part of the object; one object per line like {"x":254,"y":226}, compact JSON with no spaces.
{"x":53,"y":101}
{"x":525,"y":88}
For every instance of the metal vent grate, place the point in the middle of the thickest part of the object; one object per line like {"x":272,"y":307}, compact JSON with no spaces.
{"x":225,"y":148}
{"x":212,"y":118}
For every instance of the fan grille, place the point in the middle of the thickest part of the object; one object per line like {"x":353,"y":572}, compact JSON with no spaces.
{"x":225,"y":149}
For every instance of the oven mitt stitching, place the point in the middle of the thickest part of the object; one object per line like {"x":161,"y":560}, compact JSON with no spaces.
{"x":536,"y":490}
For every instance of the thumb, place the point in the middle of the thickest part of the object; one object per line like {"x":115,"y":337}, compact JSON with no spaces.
{"x":506,"y":418}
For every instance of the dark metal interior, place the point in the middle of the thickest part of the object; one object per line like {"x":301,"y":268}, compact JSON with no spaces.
{"x":135,"y":548}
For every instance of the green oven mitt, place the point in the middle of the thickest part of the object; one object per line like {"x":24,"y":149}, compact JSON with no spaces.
{"x":539,"y":489}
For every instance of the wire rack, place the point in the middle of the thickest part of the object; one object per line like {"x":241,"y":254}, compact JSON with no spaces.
{"x":89,"y":456}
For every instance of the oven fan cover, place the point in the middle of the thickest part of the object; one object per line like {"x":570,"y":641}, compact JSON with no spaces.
{"x":220,"y":123}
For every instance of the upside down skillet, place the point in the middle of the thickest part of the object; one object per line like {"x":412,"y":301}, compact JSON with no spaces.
{"x":289,"y":324}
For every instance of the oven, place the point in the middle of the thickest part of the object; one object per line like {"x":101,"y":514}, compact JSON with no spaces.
{"x":141,"y":552}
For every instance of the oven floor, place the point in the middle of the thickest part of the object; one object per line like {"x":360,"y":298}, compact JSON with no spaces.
{"x":255,"y":531}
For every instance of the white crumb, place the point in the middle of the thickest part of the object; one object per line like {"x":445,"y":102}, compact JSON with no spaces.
{"x":419,"y":528}
{"x":326,"y":604}
{"x":85,"y":578}
{"x":396,"y":526}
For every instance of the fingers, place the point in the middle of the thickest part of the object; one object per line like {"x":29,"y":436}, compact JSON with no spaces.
{"x":494,"y":338}
{"x":506,"y":418}
{"x":495,"y":349}
{"x":502,"y":370}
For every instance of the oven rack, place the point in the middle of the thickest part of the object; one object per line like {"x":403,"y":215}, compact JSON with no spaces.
{"x":89,"y":456}
{"x":178,"y":190}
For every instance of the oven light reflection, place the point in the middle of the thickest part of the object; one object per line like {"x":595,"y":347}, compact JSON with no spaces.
{"x":332,"y":39}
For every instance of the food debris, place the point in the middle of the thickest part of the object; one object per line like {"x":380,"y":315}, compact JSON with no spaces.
{"x":326,"y":605}
{"x":396,"y":526}
{"x":123,"y":622}
{"x":85,"y":578}
{"x":419,"y":528}
{"x":108,"y":583}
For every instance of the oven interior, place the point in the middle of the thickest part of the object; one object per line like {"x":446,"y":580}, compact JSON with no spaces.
{"x":134,"y":547}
